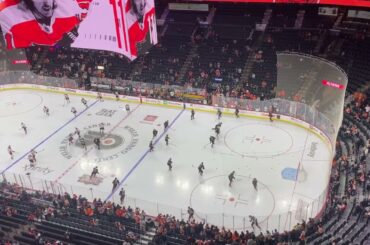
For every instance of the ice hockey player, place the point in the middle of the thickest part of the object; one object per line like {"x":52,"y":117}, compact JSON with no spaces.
{"x":151,"y":147}
{"x":97,"y":143}
{"x":101,"y":128}
{"x":11,"y":152}
{"x":201,"y":169}
{"x":190,"y":213}
{"x":23,"y":126}
{"x":74,"y":111}
{"x":169,"y":164}
{"x":167,"y":139}
{"x":99,"y":97}
{"x":254,"y":222}
{"x":83,"y":101}
{"x":219,"y":114}
{"x":31,"y":160}
{"x":94,"y":172}
{"x":192,"y":114}
{"x":46,"y":111}
{"x":270,"y":116}
{"x":231,"y":177}
{"x":122,"y":195}
{"x":117,"y":95}
{"x":33,"y":153}
{"x":218,"y":125}
{"x":155,"y":132}
{"x":83,"y":143}
{"x":127,"y":106}
{"x":217,"y":130}
{"x":77,"y":131}
{"x":254,"y":182}
{"x":70,"y":139}
{"x":115,"y":183}
{"x":165,"y":125}
{"x":237,"y":112}
{"x":271,"y":111}
{"x":212,"y":140}
{"x":66,"y":98}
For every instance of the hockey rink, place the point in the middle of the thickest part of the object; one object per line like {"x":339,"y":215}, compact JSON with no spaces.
{"x":291,"y":164}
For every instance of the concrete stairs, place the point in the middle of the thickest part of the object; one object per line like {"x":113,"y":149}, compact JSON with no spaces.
{"x":299,"y":20}
{"x":250,"y":59}
{"x":147,"y":237}
{"x":162,"y":19}
{"x":211,"y":15}
{"x":338,"y":20}
{"x":192,"y":53}
{"x":256,"y":44}
{"x":320,"y":42}
{"x":137,"y":69}
{"x":38,"y":65}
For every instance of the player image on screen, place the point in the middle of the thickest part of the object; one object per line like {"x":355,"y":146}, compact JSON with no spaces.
{"x":42,"y":22}
{"x":140,"y":16}
{"x":138,"y":11}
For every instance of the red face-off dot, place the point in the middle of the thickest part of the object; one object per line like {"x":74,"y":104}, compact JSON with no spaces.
{"x":231,"y":199}
{"x":108,"y":141}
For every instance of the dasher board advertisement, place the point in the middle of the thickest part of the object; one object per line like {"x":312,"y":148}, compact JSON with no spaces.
{"x":127,"y":27}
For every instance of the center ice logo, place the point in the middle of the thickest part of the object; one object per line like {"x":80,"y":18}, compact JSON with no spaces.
{"x":109,"y":142}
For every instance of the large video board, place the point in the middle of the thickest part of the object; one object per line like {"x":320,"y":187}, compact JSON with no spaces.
{"x":127,"y":27}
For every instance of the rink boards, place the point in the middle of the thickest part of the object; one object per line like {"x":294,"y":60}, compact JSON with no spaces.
{"x":187,"y":189}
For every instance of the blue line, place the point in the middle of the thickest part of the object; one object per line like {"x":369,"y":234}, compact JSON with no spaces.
{"x":47,"y":138}
{"x":142,"y":157}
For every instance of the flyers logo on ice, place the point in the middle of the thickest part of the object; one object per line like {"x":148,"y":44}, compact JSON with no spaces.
{"x":112,"y":146}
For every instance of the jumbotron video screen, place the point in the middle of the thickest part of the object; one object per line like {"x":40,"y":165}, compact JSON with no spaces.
{"x":127,"y":27}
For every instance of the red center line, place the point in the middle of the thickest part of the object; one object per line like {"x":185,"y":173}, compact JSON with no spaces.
{"x":92,"y":147}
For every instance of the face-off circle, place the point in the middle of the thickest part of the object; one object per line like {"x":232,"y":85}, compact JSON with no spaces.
{"x":258,"y":140}
{"x":236,"y":202}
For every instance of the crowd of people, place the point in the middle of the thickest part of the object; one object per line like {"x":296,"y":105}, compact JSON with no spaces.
{"x":48,"y":206}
